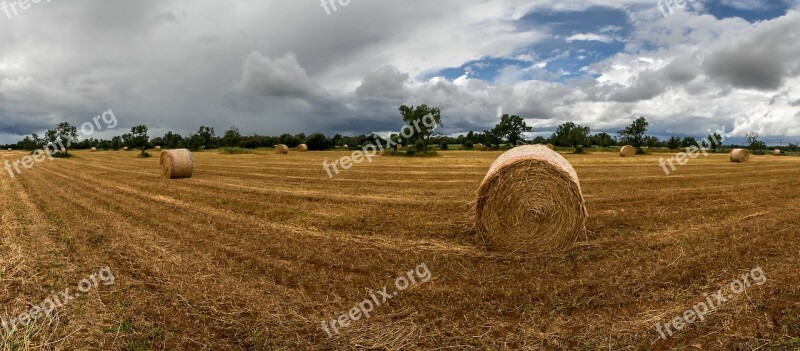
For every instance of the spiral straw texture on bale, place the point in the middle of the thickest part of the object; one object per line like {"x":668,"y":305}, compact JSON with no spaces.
{"x":530,"y":201}
{"x":177,"y":164}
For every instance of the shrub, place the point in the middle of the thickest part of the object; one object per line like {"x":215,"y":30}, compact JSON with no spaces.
{"x":235,"y":151}
{"x":444,"y":146}
{"x":469,"y":145}
{"x":419,"y":146}
{"x":579,"y":149}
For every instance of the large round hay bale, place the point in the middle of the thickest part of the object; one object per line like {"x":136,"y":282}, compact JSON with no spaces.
{"x":530,"y":201}
{"x":302,"y":148}
{"x":94,"y":149}
{"x":281,"y":149}
{"x":158,"y":148}
{"x":740,"y":155}
{"x":176,"y":164}
{"x":777,"y":152}
{"x":627,"y":151}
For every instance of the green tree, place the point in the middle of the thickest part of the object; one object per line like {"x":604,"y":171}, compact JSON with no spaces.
{"x":172,"y":140}
{"x":511,"y":128}
{"x":755,"y":144}
{"x":319,"y":142}
{"x":689,"y":142}
{"x":602,"y":139}
{"x":232,"y":138}
{"x":570,"y":134}
{"x":116,"y":143}
{"x":423,"y":120}
{"x":634,"y":134}
{"x":674,"y":143}
{"x":64,"y":135}
{"x":208,"y":136}
{"x":715,"y":144}
{"x":138,"y":138}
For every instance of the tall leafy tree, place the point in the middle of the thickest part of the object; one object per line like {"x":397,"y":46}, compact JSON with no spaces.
{"x":634,"y":134}
{"x":417,"y":118}
{"x":674,"y":143}
{"x":138,"y":138}
{"x":511,"y":127}
{"x":232,"y":137}
{"x":571,"y":134}
{"x":64,"y":135}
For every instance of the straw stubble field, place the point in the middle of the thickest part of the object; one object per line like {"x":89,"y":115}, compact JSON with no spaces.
{"x":255,"y":251}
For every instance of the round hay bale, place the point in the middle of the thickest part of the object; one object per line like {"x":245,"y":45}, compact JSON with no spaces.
{"x":281,"y":149}
{"x":399,"y":146}
{"x":158,"y":148}
{"x":627,"y":151}
{"x":530,"y":201}
{"x":9,"y":149}
{"x":777,"y":152}
{"x":94,"y":149}
{"x":480,"y":147}
{"x":302,"y":148}
{"x":740,"y":156}
{"x":177,"y":164}
{"x":125,"y":148}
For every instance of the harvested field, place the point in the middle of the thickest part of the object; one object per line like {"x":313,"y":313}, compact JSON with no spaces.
{"x":255,"y":251}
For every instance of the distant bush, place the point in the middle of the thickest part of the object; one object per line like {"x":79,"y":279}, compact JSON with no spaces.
{"x":235,"y":151}
{"x":579,"y":149}
{"x":444,"y":146}
{"x":469,"y":145}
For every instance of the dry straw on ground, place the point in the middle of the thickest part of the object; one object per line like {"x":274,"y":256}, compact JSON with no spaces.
{"x":281,"y":149}
{"x":627,"y":151}
{"x":302,"y":148}
{"x":177,"y":164}
{"x":740,"y":156}
{"x":530,"y":201}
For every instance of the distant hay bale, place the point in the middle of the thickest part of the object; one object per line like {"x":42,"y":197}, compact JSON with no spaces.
{"x":550,"y":146}
{"x":480,"y":147}
{"x":627,"y":151}
{"x":125,"y":148}
{"x":177,"y":164}
{"x":9,"y":149}
{"x":281,"y":149}
{"x":94,"y":149}
{"x":302,"y":148}
{"x":777,"y":152}
{"x":399,"y":147}
{"x":740,"y":156}
{"x":158,"y":148}
{"x":530,"y":200}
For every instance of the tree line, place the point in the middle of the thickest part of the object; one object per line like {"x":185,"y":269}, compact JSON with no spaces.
{"x":510,"y":131}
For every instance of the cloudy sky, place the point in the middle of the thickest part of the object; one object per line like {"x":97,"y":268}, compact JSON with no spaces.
{"x":272,"y":66}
